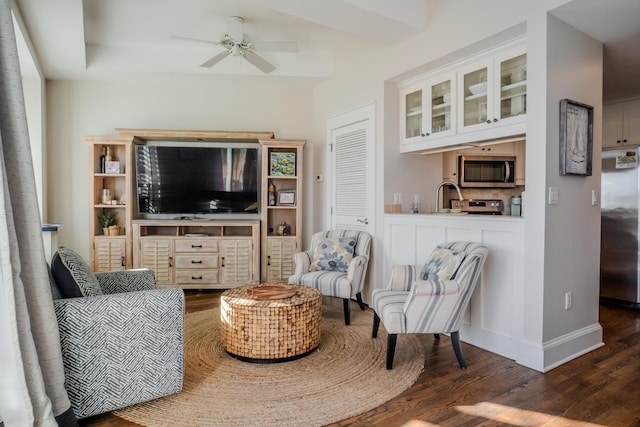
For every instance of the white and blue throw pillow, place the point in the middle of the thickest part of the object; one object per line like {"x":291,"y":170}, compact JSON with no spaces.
{"x":442,"y":264}
{"x":333,"y":254}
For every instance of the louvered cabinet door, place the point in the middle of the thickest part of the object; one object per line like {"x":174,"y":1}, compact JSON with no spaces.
{"x":280,"y":251}
{"x":109,"y":254}
{"x":235,"y":262}
{"x":157,"y":254}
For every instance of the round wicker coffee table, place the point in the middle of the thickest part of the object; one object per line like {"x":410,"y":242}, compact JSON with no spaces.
{"x":271,"y":322}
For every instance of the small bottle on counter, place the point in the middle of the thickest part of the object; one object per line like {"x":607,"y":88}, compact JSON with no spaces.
{"x":415,"y":208}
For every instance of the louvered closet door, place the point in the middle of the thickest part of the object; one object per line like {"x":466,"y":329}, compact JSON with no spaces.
{"x":352,"y":171}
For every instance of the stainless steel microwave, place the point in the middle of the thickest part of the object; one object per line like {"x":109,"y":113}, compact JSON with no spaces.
{"x":486,"y":171}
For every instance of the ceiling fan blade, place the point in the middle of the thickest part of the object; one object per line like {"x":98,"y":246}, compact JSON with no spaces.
{"x":258,"y":62}
{"x":234,"y":28}
{"x":276,"y":46}
{"x":191,"y":39}
{"x":213,"y":61}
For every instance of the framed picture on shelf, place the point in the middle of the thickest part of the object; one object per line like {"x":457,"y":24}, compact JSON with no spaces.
{"x":112,"y":167}
{"x":576,"y":138}
{"x":287,"y":198}
{"x":283,"y":164}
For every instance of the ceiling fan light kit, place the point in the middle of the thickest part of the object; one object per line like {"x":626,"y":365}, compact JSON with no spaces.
{"x":236,"y":43}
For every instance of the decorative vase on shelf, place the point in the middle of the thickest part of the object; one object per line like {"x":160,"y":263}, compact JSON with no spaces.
{"x":108,"y":156}
{"x":283,"y":229}
{"x":272,"y":194}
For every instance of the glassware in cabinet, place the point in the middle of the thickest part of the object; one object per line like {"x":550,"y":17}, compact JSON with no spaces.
{"x":413,"y":114}
{"x":513,"y":86}
{"x":475,"y":93}
{"x":442,"y":107}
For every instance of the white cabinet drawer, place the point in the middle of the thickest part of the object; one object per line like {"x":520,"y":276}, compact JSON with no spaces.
{"x":196,"y":245}
{"x":196,"y":261}
{"x":193,"y":277}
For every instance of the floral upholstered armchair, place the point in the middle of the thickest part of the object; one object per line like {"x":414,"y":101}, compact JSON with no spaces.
{"x":121,"y":339}
{"x":335,"y":264}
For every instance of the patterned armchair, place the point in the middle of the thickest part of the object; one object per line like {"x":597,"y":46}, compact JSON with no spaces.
{"x":411,"y":305}
{"x":121,"y":339}
{"x":335,"y":264}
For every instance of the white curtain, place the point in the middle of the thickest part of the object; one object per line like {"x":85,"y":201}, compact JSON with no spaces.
{"x":31,"y":373}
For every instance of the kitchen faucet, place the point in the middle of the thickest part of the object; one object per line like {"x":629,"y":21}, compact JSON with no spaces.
{"x":442,"y":184}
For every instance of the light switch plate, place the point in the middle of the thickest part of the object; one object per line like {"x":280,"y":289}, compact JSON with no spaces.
{"x":553,"y":195}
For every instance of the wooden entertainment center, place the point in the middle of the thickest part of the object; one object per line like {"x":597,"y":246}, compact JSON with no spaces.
{"x":203,"y":253}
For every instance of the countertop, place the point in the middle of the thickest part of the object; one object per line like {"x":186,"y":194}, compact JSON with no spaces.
{"x":458,"y":216}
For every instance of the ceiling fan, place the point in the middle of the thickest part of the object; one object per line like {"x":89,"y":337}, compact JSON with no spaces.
{"x":236,"y":43}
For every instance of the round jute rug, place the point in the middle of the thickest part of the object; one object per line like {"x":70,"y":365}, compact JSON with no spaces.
{"x":344,"y":377}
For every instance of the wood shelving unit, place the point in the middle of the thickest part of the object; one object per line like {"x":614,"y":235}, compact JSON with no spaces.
{"x":109,"y":252}
{"x":277,"y":247}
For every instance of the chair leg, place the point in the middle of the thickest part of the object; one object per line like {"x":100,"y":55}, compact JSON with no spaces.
{"x":347,"y":313}
{"x":457,"y":349}
{"x":376,"y":325}
{"x":360,"y":302}
{"x":391,"y":349}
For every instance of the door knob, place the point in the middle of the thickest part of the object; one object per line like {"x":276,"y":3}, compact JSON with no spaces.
{"x":364,"y":221}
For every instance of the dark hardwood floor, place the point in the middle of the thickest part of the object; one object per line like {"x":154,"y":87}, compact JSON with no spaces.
{"x":600,"y":388}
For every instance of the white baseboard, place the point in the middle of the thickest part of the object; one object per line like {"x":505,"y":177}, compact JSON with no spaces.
{"x":553,"y":353}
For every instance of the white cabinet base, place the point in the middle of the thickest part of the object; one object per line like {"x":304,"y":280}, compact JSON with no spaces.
{"x":494,"y":318}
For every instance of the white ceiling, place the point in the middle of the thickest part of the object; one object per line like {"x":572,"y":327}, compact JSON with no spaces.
{"x":112,"y":39}
{"x":89,"y":39}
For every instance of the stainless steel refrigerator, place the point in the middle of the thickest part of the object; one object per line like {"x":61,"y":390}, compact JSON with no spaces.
{"x":620,"y":198}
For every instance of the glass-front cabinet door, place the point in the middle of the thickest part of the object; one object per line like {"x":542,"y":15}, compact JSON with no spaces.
{"x":412,"y":113}
{"x":494,"y":92}
{"x":513,"y":85}
{"x":428,"y":108}
{"x":476,"y":88}
{"x":441,"y":120}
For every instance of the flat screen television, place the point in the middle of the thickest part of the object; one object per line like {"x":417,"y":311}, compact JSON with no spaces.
{"x":191,"y":180}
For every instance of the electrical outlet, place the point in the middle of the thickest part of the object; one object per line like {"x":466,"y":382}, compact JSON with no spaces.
{"x":568,"y":297}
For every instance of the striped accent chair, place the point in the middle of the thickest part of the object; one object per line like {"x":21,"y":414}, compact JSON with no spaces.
{"x":122,"y":342}
{"x":335,"y":282}
{"x":410,"y":305}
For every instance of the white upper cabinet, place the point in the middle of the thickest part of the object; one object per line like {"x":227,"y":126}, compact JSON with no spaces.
{"x":412,"y":113}
{"x":427,"y":109}
{"x":621,"y":124}
{"x":512,"y":81}
{"x":493,"y":92}
{"x":479,"y":99}
{"x":441,"y":117}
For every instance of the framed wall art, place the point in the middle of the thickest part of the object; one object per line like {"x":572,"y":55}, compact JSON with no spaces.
{"x":283,"y":164}
{"x":576,"y":138}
